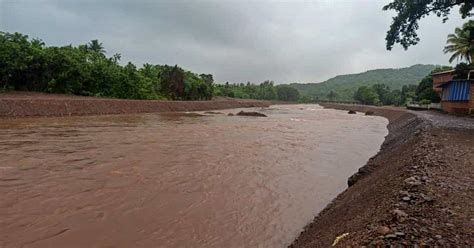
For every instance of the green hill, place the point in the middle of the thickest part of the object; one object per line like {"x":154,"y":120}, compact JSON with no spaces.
{"x":345,"y":85}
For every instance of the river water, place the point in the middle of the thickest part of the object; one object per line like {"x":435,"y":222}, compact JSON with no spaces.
{"x":176,"y":179}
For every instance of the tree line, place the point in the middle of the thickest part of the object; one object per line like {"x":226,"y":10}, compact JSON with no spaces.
{"x":29,"y":65}
{"x":264,"y":91}
{"x":380,"y":94}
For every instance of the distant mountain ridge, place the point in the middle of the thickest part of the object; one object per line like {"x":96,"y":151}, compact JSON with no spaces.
{"x":345,"y":85}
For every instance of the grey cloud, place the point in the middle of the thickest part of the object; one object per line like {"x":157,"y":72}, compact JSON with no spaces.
{"x":237,"y":41}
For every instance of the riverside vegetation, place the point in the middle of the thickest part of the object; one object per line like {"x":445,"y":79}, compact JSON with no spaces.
{"x":29,"y":65}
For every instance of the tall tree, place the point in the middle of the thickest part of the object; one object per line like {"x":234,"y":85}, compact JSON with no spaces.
{"x":384,"y":93}
{"x":461,"y":43}
{"x":332,"y":96}
{"x":408,"y":93}
{"x":177,"y":82}
{"x":287,"y":93}
{"x":424,"y":90}
{"x":367,"y":95}
{"x":409,"y":12}
{"x":96,"y":46}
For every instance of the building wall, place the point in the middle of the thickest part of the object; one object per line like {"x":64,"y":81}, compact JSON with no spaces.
{"x":440,"y":79}
{"x":460,"y":108}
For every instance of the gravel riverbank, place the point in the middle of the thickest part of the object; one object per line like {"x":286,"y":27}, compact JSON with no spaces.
{"x":25,"y":104}
{"x":416,"y":191}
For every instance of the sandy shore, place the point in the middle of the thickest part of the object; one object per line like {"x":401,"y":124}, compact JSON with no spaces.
{"x":416,"y":191}
{"x":24,"y":104}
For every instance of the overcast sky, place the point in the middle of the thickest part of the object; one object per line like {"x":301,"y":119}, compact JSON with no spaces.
{"x":236,"y":41}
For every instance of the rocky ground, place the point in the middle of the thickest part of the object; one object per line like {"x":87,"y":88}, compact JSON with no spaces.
{"x":418,"y":191}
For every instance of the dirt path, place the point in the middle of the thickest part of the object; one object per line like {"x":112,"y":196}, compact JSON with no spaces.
{"x":417,"y":191}
{"x":441,"y":120}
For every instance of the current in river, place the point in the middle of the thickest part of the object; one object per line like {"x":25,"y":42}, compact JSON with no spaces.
{"x":177,"y":179}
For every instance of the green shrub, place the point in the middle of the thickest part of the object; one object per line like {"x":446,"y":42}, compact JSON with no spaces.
{"x":425,"y":102}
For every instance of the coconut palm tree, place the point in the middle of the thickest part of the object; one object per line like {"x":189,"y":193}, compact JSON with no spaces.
{"x":96,"y":46}
{"x":461,"y":43}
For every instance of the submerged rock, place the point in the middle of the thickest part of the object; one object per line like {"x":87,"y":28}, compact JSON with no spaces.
{"x":188,"y":114}
{"x":369,"y":113}
{"x":352,"y":112}
{"x":256,"y":114}
{"x":213,"y":113}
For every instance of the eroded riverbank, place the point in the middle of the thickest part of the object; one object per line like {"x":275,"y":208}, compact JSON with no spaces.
{"x":176,"y":179}
{"x":28,"y":104}
{"x":416,"y":191}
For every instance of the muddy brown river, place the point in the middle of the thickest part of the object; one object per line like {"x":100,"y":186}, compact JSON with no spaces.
{"x":176,"y":179}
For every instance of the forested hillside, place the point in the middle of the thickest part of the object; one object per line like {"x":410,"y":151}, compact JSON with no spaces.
{"x":343,"y":87}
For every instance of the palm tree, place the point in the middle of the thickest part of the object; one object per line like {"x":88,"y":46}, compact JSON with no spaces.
{"x":96,"y":46}
{"x":461,"y":43}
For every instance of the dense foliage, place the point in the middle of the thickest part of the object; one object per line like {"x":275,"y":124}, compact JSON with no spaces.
{"x":405,"y":24}
{"x":287,"y":93}
{"x":345,"y":86}
{"x":264,"y":91}
{"x":27,"y":64}
{"x":461,"y":43}
{"x":462,"y":70}
{"x":424,"y":91}
{"x":378,"y":94}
